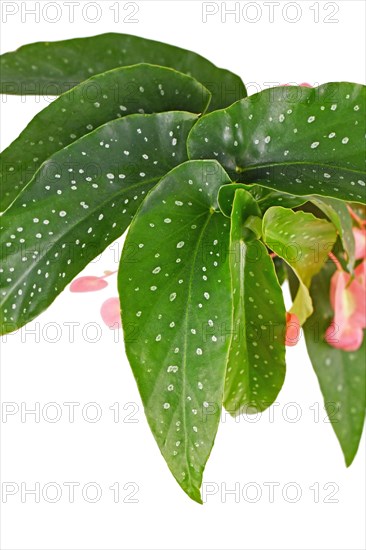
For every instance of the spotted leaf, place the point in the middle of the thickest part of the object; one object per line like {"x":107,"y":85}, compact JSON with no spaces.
{"x":293,"y":139}
{"x":104,"y":97}
{"x":54,"y":67}
{"x":79,"y":201}
{"x":303,"y":241}
{"x":176,"y":313}
{"x":341,"y":374}
{"x":256,"y":365}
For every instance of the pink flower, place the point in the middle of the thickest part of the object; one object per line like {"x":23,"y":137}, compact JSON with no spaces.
{"x":304,"y":84}
{"x":360,"y":242}
{"x":292,"y":329}
{"x":88,"y":284}
{"x":111,"y":313}
{"x":348,"y":300}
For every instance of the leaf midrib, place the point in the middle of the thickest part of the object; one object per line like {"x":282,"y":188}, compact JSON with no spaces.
{"x":242,"y":259}
{"x":242,"y":169}
{"x":185,"y":324}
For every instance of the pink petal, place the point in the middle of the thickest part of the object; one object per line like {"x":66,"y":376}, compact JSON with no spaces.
{"x":360,"y":242}
{"x":111,"y":313}
{"x":292,"y":329}
{"x":347,"y":338}
{"x":360,"y":273}
{"x":88,"y":284}
{"x":334,"y":283}
{"x":304,"y":84}
{"x":348,"y":300}
{"x":358,"y":291}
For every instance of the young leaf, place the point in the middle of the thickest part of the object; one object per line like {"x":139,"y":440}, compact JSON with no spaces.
{"x":226,"y":198}
{"x":341,"y":374}
{"x":256,"y":365}
{"x":292,"y":139}
{"x":54,"y":67}
{"x":338,"y":213}
{"x":303,"y":241}
{"x":176,"y":313}
{"x":104,"y":97}
{"x":267,"y":197}
{"x":79,"y":201}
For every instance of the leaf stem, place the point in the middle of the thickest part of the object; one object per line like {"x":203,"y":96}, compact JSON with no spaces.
{"x":357,"y":219}
{"x":335,"y":261}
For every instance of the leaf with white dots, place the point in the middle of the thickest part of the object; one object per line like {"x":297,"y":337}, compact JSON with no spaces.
{"x":303,"y":241}
{"x":138,"y":89}
{"x":53,"y":67}
{"x":79,"y":201}
{"x":256,"y":365}
{"x":176,"y":312}
{"x":293,"y":139}
{"x":341,"y":374}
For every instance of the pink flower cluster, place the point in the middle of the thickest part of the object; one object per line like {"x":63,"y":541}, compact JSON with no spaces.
{"x":110,"y":309}
{"x":348,"y":300}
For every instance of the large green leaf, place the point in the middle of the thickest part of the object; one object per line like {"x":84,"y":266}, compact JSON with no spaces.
{"x":256,"y":365}
{"x":176,"y":302}
{"x":293,"y":139}
{"x":341,"y":374}
{"x":104,"y":97}
{"x":303,"y":241}
{"x":338,"y":213}
{"x":54,"y":67}
{"x":79,"y":201}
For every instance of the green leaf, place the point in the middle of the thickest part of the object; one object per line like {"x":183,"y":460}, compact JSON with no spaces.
{"x":267,"y":197}
{"x":176,"y":301}
{"x":256,"y":365}
{"x":341,"y":374}
{"x":54,"y":67}
{"x":104,"y":97}
{"x":293,"y":139}
{"x":80,"y":200}
{"x":338,"y":213}
{"x":227,"y":195}
{"x":303,"y":241}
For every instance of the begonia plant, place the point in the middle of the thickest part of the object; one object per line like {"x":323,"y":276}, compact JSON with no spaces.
{"x":225,"y":198}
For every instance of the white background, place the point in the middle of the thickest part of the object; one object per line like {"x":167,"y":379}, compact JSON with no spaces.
{"x":35,"y":370}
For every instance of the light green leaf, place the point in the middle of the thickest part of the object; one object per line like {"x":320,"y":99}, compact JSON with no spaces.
{"x":104,"y":97}
{"x":54,"y":67}
{"x":293,"y":139}
{"x":303,"y":241}
{"x":341,"y":374}
{"x":256,"y":365}
{"x":80,"y":200}
{"x":175,"y":293}
{"x":338,"y":213}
